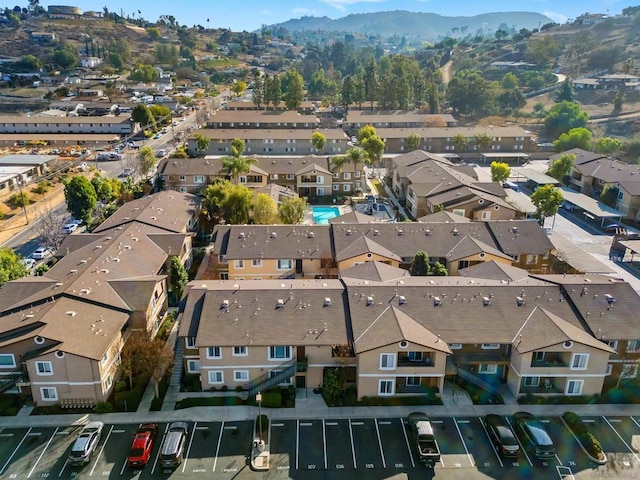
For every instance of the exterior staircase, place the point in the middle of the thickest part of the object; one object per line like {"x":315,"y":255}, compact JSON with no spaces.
{"x":271,"y":379}
{"x":176,"y":373}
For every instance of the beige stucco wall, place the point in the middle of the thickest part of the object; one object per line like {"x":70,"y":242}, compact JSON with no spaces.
{"x":269,"y":269}
{"x":478,"y":258}
{"x":367,"y":257}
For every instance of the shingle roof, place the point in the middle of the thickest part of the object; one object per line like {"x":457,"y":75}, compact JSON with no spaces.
{"x":394,"y":326}
{"x":253,"y":318}
{"x":353,"y":217}
{"x":468,"y":246}
{"x":300,"y":134}
{"x":443,"y":217}
{"x":269,"y":116}
{"x":518,"y":238}
{"x":375,"y":272}
{"x":495,"y":271}
{"x":364,"y":245}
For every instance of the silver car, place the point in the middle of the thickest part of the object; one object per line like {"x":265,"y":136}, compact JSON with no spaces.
{"x":86,"y":444}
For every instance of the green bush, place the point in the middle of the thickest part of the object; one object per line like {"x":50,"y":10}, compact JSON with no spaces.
{"x":156,"y":404}
{"x":103,"y":407}
{"x":265,"y":426}
{"x":585,"y":437}
{"x":272,"y":398}
{"x":191,"y":383}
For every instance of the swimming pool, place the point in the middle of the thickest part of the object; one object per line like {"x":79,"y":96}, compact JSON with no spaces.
{"x":322,"y":215}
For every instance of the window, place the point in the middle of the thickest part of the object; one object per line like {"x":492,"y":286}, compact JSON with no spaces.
{"x":320,"y":192}
{"x":609,"y":369}
{"x":532,"y":259}
{"x":387,"y":361}
{"x":347,"y":175}
{"x":490,"y":346}
{"x":458,"y":211}
{"x":336,"y":187}
{"x":242,"y":179}
{"x":183,"y":189}
{"x":256,"y":262}
{"x":190,"y":342}
{"x":633,"y":346}
{"x":531,"y":381}
{"x":107,"y":383}
{"x":224,"y":276}
{"x":455,"y":346}
{"x":412,"y":381}
{"x":463,"y":264}
{"x":357,"y":174}
{"x":284,"y":264}
{"x":7,"y":360}
{"x":198,"y":178}
{"x":415,"y":356}
{"x":49,"y":393}
{"x":104,"y":359}
{"x":44,"y":368}
{"x":193,"y":366}
{"x":488,"y":368}
{"x":240,"y":351}
{"x":274,"y":176}
{"x":486,"y":215}
{"x":629,"y":371}
{"x":216,"y":377}
{"x":241,"y":375}
{"x":290,"y":176}
{"x":183,"y":178}
{"x":346,"y":188}
{"x":214,"y":352}
{"x":385,"y":387}
{"x":574,"y":387}
{"x":579,"y":361}
{"x":238,"y":263}
{"x":538,"y":356}
{"x":620,"y":194}
{"x":280,"y":353}
{"x":613,"y":344}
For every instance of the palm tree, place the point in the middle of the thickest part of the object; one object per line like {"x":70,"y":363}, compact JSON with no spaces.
{"x":338,"y":161}
{"x":357,"y":155}
{"x":236,"y":165}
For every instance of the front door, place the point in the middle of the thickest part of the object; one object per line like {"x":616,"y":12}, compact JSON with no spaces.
{"x":298,"y":265}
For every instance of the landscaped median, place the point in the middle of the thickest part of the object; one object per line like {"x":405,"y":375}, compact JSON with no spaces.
{"x":587,"y":441}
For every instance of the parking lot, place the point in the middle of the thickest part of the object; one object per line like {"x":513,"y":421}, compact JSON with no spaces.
{"x":373,"y":448}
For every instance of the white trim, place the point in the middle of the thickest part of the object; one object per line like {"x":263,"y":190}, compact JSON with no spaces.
{"x":393,"y":387}
{"x":556,"y":375}
{"x":393,"y":356}
{"x":398,"y":375}
{"x":212,"y":357}
{"x":44,"y":363}
{"x":194,"y":370}
{"x":245,"y":354}
{"x":221,"y":382}
{"x":13,"y":357}
{"x":577,"y":381}
{"x":98,"y":382}
{"x":54,"y":399}
{"x":574,"y":357}
{"x":235,"y":379}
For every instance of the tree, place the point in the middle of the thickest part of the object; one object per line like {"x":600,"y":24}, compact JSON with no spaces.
{"x":366,"y":132}
{"x":420,"y":265}
{"x":373,"y":146}
{"x":348,"y":92}
{"x":273,"y":90}
{"x":258,"y":93}
{"x":50,"y":228}
{"x":238,"y":87}
{"x":235,"y":203}
{"x":469,"y":93}
{"x":574,"y":138}
{"x":460,"y":142}
{"x":547,"y":199}
{"x":500,"y":172}
{"x":560,"y":168}
{"x":439,"y":270}
{"x":292,"y":211}
{"x":339,"y":161}
{"x":358,"y":155}
{"x":482,"y":141}
{"x":264,"y":210}
{"x":294,"y":91}
{"x":565,"y":92}
{"x":178,"y":276}
{"x":563,"y":117}
{"x":607,"y":145}
{"x":413,"y":141}
{"x":237,"y":165}
{"x":202,"y":142}
{"x":145,"y":358}
{"x":147,"y":161}
{"x":334,"y":383}
{"x":11,"y":267}
{"x":213,"y":195}
{"x":64,"y":58}
{"x":618,"y":101}
{"x":319,"y":141}
{"x":542,"y":50}
{"x":142,"y":115}
{"x":81,"y":198}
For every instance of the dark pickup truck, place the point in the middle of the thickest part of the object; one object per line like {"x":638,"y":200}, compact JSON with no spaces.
{"x":425,"y":440}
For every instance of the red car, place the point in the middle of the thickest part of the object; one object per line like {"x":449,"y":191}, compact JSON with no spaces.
{"x":140,"y":452}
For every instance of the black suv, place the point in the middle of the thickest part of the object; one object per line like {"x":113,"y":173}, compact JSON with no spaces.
{"x":502,"y":436}
{"x":531,"y":429}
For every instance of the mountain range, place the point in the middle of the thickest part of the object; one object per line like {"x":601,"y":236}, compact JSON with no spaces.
{"x":426,"y":26}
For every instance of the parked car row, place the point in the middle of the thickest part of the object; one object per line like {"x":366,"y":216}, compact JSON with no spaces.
{"x":172,"y":449}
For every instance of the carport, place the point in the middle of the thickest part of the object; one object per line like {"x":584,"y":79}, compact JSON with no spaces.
{"x":633,"y":245}
{"x":534,"y":178}
{"x":592,"y":208}
{"x":520,"y":158}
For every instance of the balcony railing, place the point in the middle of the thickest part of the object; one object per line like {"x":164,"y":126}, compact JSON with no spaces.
{"x":550,"y":361}
{"x":407,"y":362}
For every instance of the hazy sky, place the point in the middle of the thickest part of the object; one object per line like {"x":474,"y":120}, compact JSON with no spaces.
{"x":249,"y":15}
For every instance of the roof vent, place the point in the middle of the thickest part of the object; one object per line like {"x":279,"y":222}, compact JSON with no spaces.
{"x":273,"y":235}
{"x":402,"y":300}
{"x":376,"y":233}
{"x":127,"y":247}
{"x":427,"y":231}
{"x":401,"y":232}
{"x":520,"y":301}
{"x":39,"y":340}
{"x":224,"y":304}
{"x":454,"y":231}
{"x":311,"y":235}
{"x":514,"y":229}
{"x":486,"y":301}
{"x":609,"y":298}
{"x":71,"y":313}
{"x":104,"y":270}
{"x":327,"y":302}
{"x":349,"y":232}
{"x":85,"y":291}
{"x":369,"y":301}
{"x":82,"y":262}
{"x":280,"y":303}
{"x":241,"y":235}
{"x":59,"y":354}
{"x":73,"y":271}
{"x":437,"y":301}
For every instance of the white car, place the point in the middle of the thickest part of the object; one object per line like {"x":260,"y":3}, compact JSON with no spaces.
{"x":40,"y":253}
{"x":70,"y":227}
{"x":29,"y":263}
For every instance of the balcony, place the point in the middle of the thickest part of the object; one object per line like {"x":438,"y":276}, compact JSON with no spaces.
{"x":550,"y":360}
{"x":416,"y":359}
{"x":544,"y":386}
{"x":309,"y":180}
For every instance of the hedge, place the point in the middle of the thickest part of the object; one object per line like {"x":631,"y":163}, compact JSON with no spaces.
{"x":586,"y":438}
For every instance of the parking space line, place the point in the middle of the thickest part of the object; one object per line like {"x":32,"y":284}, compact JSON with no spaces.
{"x":634,"y":421}
{"x":6,"y":434}
{"x":215,"y":462}
{"x":406,"y":439}
{"x":277,"y":424}
{"x":155,"y":462}
{"x":66,"y":462}
{"x":297,"y":442}
{"x":565,"y":475}
{"x":519,"y":442}
{"x":493,"y":447}
{"x":186,"y":456}
{"x":353,"y":450}
{"x":15,"y":450}
{"x":622,"y":439}
{"x":384,"y":463}
{"x":101,"y":450}
{"x":42,"y":453}
{"x":455,"y":422}
{"x":324,"y":443}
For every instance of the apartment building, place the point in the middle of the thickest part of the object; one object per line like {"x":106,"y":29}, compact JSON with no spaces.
{"x":385,"y":119}
{"x":311,"y":175}
{"x":62,"y":333}
{"x":270,"y":119}
{"x":113,"y":125}
{"x":397,"y":335}
{"x":260,"y":141}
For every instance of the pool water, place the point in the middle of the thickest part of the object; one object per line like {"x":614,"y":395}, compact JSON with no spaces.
{"x":322,"y":215}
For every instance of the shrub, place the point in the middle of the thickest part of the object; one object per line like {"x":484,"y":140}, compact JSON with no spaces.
{"x":103,"y":407}
{"x":585,"y":437}
{"x":265,"y":426}
{"x":272,"y":398}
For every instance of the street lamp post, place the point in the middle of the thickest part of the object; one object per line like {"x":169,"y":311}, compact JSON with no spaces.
{"x":259,"y":400}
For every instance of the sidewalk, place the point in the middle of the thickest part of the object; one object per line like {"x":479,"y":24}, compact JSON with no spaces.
{"x":313,"y":410}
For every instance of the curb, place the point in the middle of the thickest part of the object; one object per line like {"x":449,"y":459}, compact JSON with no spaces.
{"x":593,"y":459}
